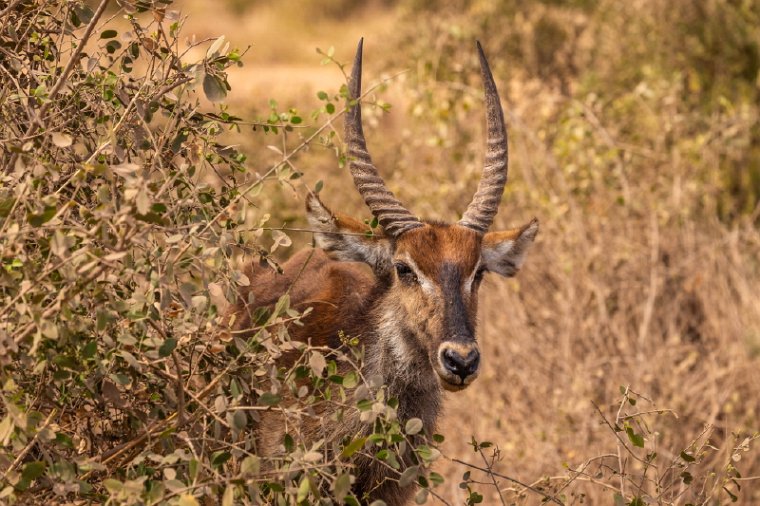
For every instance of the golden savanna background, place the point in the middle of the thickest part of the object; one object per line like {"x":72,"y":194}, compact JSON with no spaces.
{"x":621,"y":366}
{"x":633,"y":138}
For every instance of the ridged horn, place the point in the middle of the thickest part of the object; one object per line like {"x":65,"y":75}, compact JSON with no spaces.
{"x":392,"y":216}
{"x":485,"y":203}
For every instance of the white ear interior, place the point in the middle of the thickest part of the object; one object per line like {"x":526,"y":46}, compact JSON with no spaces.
{"x":507,"y":257}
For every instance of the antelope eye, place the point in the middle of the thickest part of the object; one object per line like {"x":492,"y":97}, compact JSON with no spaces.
{"x":405,"y":272}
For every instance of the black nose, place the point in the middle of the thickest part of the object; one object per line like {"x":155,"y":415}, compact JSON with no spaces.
{"x":459,"y":365}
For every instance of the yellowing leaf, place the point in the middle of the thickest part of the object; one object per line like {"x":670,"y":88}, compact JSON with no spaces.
{"x":312,"y":457}
{"x":413,"y":426}
{"x":61,"y":140}
{"x":303,"y":489}
{"x":250,"y":465}
{"x":317,"y":363}
{"x":213,"y":51}
{"x":353,"y":447}
{"x":187,"y":500}
{"x":229,"y":496}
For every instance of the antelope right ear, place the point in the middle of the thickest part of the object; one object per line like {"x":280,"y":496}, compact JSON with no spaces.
{"x":504,"y":252}
{"x":346,"y":239}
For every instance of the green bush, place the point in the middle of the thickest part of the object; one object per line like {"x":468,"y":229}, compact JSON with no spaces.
{"x":123,"y":212}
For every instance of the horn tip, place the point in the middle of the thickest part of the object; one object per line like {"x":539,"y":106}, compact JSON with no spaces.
{"x":481,"y":54}
{"x":355,"y":82}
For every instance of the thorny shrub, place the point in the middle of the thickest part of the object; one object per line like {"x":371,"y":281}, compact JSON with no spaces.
{"x":122,"y":209}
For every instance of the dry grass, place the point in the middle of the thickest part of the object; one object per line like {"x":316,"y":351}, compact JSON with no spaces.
{"x":640,"y":293}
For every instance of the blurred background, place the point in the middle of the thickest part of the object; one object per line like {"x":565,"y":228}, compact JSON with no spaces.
{"x":634,"y":138}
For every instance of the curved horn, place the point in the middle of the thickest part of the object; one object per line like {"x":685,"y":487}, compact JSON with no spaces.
{"x":485,"y":203}
{"x":392,"y":216}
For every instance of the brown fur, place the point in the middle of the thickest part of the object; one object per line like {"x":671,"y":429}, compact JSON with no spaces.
{"x":404,"y":319}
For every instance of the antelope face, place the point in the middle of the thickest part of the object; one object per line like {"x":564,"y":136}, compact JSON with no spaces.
{"x":436,"y":274}
{"x":432,"y":274}
{"x":432,"y":271}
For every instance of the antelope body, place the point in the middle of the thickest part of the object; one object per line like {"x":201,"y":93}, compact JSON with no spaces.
{"x":414,"y":310}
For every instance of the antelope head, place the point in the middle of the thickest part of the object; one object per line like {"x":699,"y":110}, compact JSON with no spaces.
{"x":431,"y":270}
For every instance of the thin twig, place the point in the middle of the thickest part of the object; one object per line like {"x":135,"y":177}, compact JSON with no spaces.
{"x":10,"y":7}
{"x":271,"y":170}
{"x":29,"y":445}
{"x":513,"y":480}
{"x":491,"y":475}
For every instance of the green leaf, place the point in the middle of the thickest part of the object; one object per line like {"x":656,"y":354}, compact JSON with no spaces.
{"x":39,"y":219}
{"x":64,"y":440}
{"x":33,"y":470}
{"x":219,"y":458}
{"x":113,"y":486}
{"x":269,"y":399}
{"x":167,"y":348}
{"x":408,"y":476}
{"x":475,"y":498}
{"x":113,"y":46}
{"x":636,"y":439}
{"x":108,"y":34}
{"x":250,"y":465}
{"x":353,"y":447}
{"x":289,"y":443}
{"x":89,"y":350}
{"x":303,"y":489}
{"x":427,"y":453}
{"x":193,"y":467}
{"x":214,"y":88}
{"x":84,"y":13}
{"x":239,"y":420}
{"x":341,"y":487}
{"x":686,"y":457}
{"x":436,"y":478}
{"x":350,"y":380}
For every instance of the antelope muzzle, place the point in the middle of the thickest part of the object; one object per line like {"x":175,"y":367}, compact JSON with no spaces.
{"x":458,"y":365}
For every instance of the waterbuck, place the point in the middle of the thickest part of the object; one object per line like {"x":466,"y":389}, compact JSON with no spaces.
{"x":414,"y":311}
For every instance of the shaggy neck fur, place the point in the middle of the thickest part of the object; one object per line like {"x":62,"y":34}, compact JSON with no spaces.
{"x":395,"y":354}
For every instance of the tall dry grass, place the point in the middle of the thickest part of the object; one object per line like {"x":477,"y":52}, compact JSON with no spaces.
{"x":635,"y":280}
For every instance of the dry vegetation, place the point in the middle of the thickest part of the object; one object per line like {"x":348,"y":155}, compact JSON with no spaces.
{"x":622,"y":365}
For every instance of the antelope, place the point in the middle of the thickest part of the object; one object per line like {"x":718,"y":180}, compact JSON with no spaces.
{"x":414,"y":310}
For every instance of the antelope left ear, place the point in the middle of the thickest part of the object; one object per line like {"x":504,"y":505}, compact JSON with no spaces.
{"x":344,"y":238}
{"x":504,"y":252}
